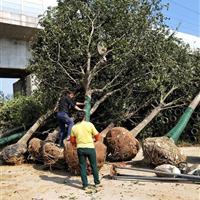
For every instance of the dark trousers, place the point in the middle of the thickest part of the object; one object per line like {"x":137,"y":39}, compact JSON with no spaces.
{"x":83,"y":154}
{"x":64,"y":119}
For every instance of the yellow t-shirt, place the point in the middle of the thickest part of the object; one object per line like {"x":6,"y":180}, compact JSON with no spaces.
{"x":84,"y":132}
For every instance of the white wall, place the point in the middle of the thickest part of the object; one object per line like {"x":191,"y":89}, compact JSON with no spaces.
{"x":192,"y":40}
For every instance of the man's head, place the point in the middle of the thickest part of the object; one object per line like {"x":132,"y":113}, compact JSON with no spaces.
{"x":71,"y":94}
{"x":80,"y":115}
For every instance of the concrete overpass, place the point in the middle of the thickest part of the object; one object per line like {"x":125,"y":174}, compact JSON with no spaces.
{"x":18,"y":26}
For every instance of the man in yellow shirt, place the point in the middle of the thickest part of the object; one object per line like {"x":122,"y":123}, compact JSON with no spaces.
{"x":82,"y":135}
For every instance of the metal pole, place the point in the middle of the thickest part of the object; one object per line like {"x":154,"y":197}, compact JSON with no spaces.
{"x":150,"y":178}
{"x":157,"y":171}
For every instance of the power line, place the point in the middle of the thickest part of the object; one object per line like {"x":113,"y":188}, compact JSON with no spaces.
{"x":185,"y":17}
{"x":185,"y":7}
{"x":182,"y":26}
{"x":183,"y":21}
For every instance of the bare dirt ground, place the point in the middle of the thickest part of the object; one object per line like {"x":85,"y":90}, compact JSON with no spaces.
{"x":30,"y":181}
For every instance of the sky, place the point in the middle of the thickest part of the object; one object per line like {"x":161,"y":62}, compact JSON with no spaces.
{"x":184,"y":15}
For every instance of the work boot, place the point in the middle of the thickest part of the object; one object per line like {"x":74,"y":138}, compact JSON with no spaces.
{"x":88,"y":190}
{"x":98,"y":185}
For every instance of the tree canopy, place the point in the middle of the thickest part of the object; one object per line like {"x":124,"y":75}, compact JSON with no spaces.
{"x":119,"y":53}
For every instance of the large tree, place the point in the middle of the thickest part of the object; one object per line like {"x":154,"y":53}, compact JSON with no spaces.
{"x":91,"y":43}
{"x":115,"y":49}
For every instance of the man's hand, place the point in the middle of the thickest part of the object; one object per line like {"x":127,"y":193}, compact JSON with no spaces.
{"x":77,"y":108}
{"x":73,"y":140}
{"x":80,"y":104}
{"x":97,"y":137}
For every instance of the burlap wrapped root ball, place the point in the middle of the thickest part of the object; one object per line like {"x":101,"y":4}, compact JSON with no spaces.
{"x":71,"y":157}
{"x":121,"y":145}
{"x":35,"y":149}
{"x":53,"y":155}
{"x":14,"y":154}
{"x":162,"y":150}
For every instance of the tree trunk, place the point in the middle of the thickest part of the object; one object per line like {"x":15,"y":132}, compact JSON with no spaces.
{"x":162,"y":150}
{"x":146,"y":120}
{"x":175,"y":132}
{"x":87,"y":105}
{"x":14,"y":154}
{"x":108,"y":128}
{"x":35,"y":126}
{"x":52,"y":137}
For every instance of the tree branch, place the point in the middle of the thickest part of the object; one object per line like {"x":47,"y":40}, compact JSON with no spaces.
{"x":109,"y":84}
{"x":89,"y":43}
{"x":87,"y":75}
{"x":162,"y":99}
{"x":98,"y":64}
{"x":58,"y":63}
{"x":102,"y":99}
{"x":96,"y":69}
{"x":130,"y":114}
{"x":50,"y":85}
{"x":179,"y":105}
{"x":82,"y":70}
{"x":171,"y":103}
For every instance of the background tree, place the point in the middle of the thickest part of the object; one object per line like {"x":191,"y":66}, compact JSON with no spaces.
{"x":20,"y":111}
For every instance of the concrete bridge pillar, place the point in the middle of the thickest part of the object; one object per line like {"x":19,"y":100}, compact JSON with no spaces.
{"x":25,"y":86}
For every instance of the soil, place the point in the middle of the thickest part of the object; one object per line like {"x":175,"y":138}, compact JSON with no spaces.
{"x":32,"y":182}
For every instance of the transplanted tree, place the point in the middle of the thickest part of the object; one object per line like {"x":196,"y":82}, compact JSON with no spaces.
{"x":171,"y":79}
{"x":116,"y":49}
{"x":172,"y":75}
{"x":97,"y":45}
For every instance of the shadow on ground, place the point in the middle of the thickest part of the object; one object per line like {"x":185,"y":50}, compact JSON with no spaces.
{"x":67,"y":180}
{"x":61,"y":172}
